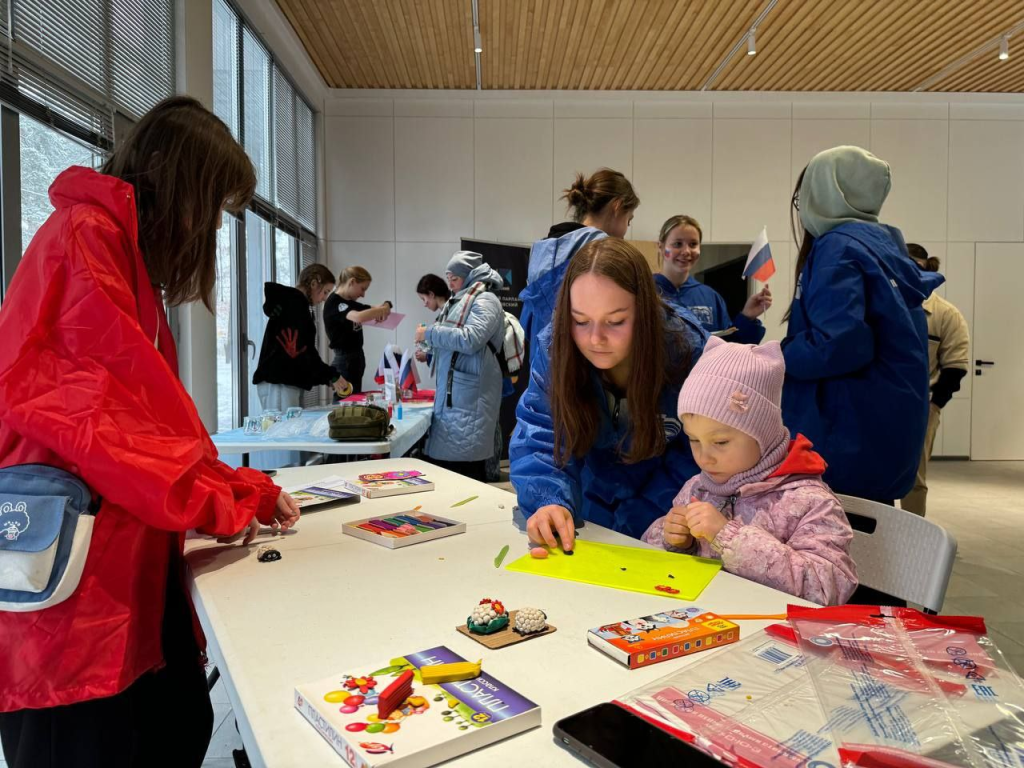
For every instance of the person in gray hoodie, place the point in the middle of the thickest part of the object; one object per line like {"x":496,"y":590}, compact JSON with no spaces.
{"x":465,"y":342}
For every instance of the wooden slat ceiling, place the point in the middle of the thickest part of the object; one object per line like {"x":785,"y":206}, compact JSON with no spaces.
{"x":803,"y":45}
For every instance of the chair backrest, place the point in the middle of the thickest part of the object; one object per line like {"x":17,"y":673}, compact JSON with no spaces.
{"x":905,"y":556}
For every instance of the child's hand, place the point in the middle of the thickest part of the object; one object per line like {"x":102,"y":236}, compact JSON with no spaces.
{"x":676,"y":532}
{"x":249,"y":532}
{"x":286,"y":512}
{"x":703,"y":520}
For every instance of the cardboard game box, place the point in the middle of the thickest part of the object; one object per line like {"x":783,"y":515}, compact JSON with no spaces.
{"x":433,"y":723}
{"x":662,"y":636}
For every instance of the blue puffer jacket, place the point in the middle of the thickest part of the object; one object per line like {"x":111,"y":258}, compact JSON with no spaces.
{"x":549,"y":259}
{"x":709,"y":307}
{"x":600,"y":487}
{"x":463,"y":424}
{"x":857,"y":359}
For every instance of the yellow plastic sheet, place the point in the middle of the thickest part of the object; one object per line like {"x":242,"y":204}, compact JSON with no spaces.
{"x":635,"y":569}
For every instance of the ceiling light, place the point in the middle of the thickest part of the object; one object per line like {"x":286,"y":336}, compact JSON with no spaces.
{"x":1004,"y":48}
{"x":477,"y":48}
{"x":751,"y":43}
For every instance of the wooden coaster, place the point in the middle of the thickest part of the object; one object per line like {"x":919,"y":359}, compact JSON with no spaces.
{"x":506,"y":636}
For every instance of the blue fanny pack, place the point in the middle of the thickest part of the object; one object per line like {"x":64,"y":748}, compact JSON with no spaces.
{"x":46,"y":522}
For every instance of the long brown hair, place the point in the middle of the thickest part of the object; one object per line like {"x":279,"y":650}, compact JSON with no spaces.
{"x":806,"y":241}
{"x":590,"y":195}
{"x":314,"y":275}
{"x":185,"y":167}
{"x":575,"y":405}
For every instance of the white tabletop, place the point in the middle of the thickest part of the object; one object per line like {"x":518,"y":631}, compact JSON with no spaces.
{"x":413,"y":425}
{"x":334,"y":602}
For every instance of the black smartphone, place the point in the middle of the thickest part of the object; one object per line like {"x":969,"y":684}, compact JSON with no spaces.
{"x":609,"y":736}
{"x":269,"y":472}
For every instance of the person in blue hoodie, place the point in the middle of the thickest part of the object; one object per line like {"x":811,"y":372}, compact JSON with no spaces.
{"x":603,"y":205}
{"x":597,"y":435}
{"x":678,"y":250}
{"x":857,"y":344}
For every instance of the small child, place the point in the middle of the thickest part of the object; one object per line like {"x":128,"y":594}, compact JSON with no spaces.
{"x":759,"y":503}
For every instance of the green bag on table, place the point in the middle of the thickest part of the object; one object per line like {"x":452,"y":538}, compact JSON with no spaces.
{"x":358,"y":422}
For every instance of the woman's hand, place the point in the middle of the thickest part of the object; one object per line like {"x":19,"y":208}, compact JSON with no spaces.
{"x":382,"y":312}
{"x":758,"y":304}
{"x":342,"y":387}
{"x":547,"y":521}
{"x":421,"y":355}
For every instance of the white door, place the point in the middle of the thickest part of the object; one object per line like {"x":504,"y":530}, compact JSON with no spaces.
{"x":997,"y":366}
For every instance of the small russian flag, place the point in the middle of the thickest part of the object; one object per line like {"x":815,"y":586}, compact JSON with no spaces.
{"x":760,"y":264}
{"x":408,"y":376}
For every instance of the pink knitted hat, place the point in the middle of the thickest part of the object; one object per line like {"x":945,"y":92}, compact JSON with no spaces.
{"x":739,"y":385}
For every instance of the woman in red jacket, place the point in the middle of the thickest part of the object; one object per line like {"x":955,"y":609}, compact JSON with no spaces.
{"x":113,"y":676}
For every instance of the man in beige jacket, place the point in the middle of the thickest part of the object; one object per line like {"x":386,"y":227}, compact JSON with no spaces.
{"x":948,"y":342}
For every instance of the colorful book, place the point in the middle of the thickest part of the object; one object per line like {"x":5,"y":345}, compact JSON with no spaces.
{"x":662,"y":636}
{"x":328,"y":490}
{"x":433,"y":724}
{"x":380,"y":487}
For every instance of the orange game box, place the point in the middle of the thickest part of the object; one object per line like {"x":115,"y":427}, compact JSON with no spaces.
{"x":662,"y":636}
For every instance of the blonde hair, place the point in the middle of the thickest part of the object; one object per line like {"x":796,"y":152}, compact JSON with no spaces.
{"x":682,"y":220}
{"x":359,"y":274}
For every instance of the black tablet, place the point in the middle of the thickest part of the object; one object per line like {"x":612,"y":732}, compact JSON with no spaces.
{"x":610,"y":736}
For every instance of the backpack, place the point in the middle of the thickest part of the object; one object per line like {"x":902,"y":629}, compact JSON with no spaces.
{"x":355,"y":421}
{"x":510,"y":356}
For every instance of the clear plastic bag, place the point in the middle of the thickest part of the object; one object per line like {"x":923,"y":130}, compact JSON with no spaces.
{"x":903,"y":688}
{"x":849,"y":686}
{"x":750,"y":704}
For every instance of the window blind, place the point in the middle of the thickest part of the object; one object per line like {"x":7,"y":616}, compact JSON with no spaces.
{"x":74,"y":64}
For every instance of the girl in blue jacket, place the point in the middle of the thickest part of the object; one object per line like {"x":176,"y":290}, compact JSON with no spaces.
{"x":597,"y":436}
{"x":602,"y":205}
{"x":678,"y":250}
{"x":857,"y":343}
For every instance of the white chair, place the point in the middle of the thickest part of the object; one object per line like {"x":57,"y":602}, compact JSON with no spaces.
{"x":905,"y":556}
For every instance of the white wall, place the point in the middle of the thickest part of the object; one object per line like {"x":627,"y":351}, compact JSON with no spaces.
{"x":410,"y":173}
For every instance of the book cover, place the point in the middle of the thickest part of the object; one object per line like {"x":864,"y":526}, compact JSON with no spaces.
{"x":434,"y":723}
{"x":378,"y":489}
{"x":662,"y":636}
{"x":328,"y":490}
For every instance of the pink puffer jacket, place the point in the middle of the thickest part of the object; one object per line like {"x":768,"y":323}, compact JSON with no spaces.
{"x":787,"y":531}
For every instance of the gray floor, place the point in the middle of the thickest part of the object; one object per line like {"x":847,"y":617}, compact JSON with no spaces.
{"x":981,"y":503}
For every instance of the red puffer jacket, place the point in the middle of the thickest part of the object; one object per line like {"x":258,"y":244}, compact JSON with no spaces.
{"x":88,"y":382}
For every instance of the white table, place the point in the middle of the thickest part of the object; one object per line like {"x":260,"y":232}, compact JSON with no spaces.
{"x":334,"y":602}
{"x":413,"y":425}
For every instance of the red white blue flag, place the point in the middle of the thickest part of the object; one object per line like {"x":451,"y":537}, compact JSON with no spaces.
{"x":760,"y":264}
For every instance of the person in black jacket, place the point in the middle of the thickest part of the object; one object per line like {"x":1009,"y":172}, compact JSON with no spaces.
{"x":344,"y":315}
{"x":289,"y":362}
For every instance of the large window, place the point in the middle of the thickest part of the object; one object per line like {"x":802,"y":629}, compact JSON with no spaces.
{"x":226,"y":301}
{"x":76,"y":74}
{"x":45,"y":153}
{"x":275,"y":124}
